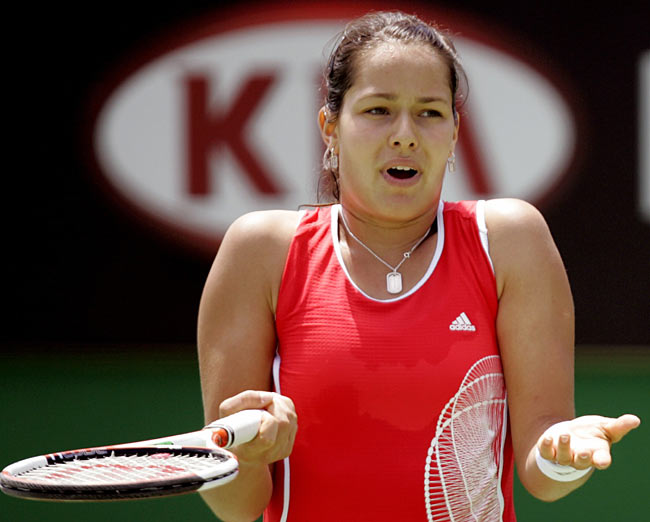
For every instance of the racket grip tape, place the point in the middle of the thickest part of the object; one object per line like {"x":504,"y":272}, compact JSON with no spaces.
{"x":235,"y":429}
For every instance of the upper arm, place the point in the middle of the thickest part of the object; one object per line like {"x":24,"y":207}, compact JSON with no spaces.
{"x":535,"y":322}
{"x":236,"y":330}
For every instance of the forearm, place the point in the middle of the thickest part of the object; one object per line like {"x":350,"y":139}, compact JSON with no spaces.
{"x":243,"y":499}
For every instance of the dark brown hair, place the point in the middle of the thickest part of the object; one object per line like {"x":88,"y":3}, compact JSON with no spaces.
{"x":363,"y":34}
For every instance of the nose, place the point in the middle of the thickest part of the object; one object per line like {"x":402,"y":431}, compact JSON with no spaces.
{"x":404,"y":135}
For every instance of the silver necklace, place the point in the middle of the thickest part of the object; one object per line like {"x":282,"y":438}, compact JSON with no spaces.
{"x":393,"y":278}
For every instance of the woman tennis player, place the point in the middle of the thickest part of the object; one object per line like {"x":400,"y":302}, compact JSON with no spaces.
{"x":424,"y":347}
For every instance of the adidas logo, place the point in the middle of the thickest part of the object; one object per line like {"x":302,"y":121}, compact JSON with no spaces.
{"x":462,"y":322}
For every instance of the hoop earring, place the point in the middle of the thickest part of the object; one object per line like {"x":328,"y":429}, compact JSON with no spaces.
{"x":451,"y":162}
{"x":336,"y":192}
{"x":331,"y":165}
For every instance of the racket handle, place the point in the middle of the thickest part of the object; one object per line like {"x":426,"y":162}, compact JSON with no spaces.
{"x":235,"y":429}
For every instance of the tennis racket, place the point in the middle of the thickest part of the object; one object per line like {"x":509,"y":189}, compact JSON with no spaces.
{"x":166,"y":466}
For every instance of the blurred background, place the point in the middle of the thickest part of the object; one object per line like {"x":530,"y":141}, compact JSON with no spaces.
{"x":137,"y":132}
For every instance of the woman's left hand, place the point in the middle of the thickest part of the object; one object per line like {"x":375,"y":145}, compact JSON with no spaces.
{"x":585,"y":441}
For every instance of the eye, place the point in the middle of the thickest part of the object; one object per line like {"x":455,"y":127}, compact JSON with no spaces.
{"x":377,"y":111}
{"x":431,"y":113}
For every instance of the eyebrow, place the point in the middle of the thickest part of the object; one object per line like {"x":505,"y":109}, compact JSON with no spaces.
{"x":392,"y":97}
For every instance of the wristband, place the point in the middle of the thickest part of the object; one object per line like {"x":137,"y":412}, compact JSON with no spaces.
{"x":557,"y":471}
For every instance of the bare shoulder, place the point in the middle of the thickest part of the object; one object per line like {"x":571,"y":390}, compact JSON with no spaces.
{"x":519,"y":237}
{"x":513,"y":225}
{"x":263,"y":231}
{"x":512,"y":215}
{"x":253,"y":252}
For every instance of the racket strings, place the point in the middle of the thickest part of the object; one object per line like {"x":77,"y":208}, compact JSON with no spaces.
{"x":114,"y":469}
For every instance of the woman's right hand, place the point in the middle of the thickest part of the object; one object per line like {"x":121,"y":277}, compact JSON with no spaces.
{"x":277,"y":432}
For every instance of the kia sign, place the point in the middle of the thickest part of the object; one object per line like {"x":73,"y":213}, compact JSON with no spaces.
{"x":224,"y":122}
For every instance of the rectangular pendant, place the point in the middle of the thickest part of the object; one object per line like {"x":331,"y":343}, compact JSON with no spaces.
{"x":394,"y":282}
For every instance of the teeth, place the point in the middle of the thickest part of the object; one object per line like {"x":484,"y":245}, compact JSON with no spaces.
{"x":402,"y":172}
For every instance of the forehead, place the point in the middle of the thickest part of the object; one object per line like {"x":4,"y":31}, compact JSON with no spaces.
{"x":397,"y":67}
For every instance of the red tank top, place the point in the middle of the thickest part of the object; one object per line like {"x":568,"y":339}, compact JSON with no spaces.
{"x":401,"y":403}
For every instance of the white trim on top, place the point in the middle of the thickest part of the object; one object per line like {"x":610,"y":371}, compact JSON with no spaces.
{"x":287,"y":490}
{"x":482,"y":229}
{"x":334,"y":230}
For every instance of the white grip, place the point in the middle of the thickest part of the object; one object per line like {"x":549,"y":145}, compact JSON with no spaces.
{"x":241,"y":427}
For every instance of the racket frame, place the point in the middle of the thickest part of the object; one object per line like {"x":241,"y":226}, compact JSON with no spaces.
{"x":210,"y":442}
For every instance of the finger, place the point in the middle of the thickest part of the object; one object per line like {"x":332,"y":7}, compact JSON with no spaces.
{"x":260,"y":450}
{"x":268,"y":432}
{"x":616,"y":429}
{"x":546,"y":449}
{"x":601,"y":458}
{"x":563,"y":452}
{"x":582,"y":459}
{"x":249,"y":399}
{"x":284,"y":411}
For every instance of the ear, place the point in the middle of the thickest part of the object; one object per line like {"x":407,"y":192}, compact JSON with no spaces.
{"x":456,"y":130}
{"x":328,"y":128}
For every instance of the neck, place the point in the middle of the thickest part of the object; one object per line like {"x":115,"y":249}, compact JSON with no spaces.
{"x":388,"y":235}
{"x":391,"y":255}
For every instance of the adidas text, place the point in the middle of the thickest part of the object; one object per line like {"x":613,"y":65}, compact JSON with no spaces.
{"x":468,"y":327}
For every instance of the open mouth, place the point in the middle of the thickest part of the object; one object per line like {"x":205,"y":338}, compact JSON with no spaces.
{"x":401,"y":172}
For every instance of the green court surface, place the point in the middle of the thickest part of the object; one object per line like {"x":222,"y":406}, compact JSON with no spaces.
{"x":63,"y":401}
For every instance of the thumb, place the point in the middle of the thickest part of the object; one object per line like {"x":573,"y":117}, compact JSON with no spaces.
{"x":249,"y":399}
{"x":616,"y":429}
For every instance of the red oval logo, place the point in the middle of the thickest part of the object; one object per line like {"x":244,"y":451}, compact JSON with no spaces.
{"x":223,"y":121}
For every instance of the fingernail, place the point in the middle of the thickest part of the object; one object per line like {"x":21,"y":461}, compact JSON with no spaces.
{"x":564,"y":438}
{"x":548,"y":440}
